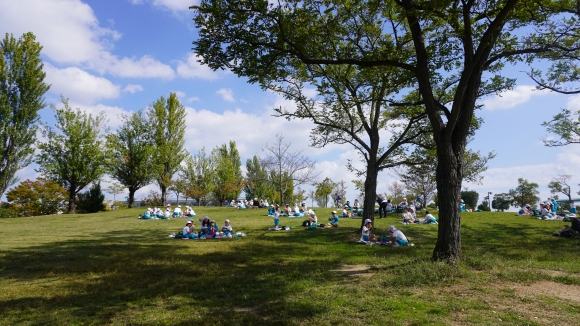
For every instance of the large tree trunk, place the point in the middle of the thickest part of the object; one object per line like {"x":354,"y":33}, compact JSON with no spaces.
{"x":370,"y":190}
{"x":163,"y":195}
{"x":131,"y":198}
{"x":71,"y":200}
{"x":449,"y":177}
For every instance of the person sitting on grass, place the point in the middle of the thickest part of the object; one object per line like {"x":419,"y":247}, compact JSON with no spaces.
{"x":204,"y":224}
{"x":266,"y":203}
{"x":345,"y":212}
{"x":168,"y":212}
{"x":347,"y":205}
{"x":287,"y":210}
{"x":188,"y":231}
{"x":271,"y":211}
{"x":227,"y":229}
{"x":403,"y":204}
{"x":570,"y":231}
{"x":312,"y":222}
{"x":303,"y":207}
{"x":545,"y":212}
{"x":333,"y":219}
{"x":462,"y":206}
{"x":429,"y":219}
{"x":397,"y":237}
{"x":407,"y":216}
{"x":412,"y":210}
{"x":189,"y":212}
{"x":525,"y":210}
{"x":147,"y":215}
{"x":177,"y":211}
{"x":355,"y":205}
{"x":366,"y":230}
{"x":212,"y":229}
{"x":299,"y":213}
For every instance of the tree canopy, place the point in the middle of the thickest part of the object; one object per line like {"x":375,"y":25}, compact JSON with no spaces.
{"x":74,"y":153}
{"x":442,"y":57}
{"x":22,"y":90}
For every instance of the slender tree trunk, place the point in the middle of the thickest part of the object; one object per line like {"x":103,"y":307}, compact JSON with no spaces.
{"x":449,"y":177}
{"x":131,"y":198}
{"x":163,"y":195}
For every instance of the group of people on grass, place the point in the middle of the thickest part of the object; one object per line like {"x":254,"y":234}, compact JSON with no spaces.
{"x":396,"y":238}
{"x":208,"y":229}
{"x":156,"y":213}
{"x":255,"y":203}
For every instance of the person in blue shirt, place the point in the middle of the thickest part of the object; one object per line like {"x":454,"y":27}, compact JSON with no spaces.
{"x":271,"y":211}
{"x":572,"y":208}
{"x":554,"y":206}
{"x":462,"y":206}
{"x":333,"y":219}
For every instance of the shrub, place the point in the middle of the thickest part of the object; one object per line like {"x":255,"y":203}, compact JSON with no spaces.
{"x":153,"y":199}
{"x":33,"y":198}
{"x":91,"y":201}
{"x":8,"y":213}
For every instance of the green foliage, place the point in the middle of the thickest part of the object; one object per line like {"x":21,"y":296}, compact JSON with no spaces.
{"x":525,"y":193}
{"x":40,"y":197}
{"x":257,"y":183}
{"x":484,"y":206}
{"x":131,"y":150}
{"x":115,"y":189}
{"x":167,"y":117}
{"x":153,"y":199}
{"x":560,"y":184}
{"x":91,"y":201}
{"x":22,"y":88}
{"x":73,"y":154}
{"x":198,"y":174}
{"x":501,"y":201}
{"x":8,"y":213}
{"x":323,"y":191}
{"x":470,"y":197}
{"x":228,"y":179}
{"x":178,"y":187}
{"x":566,"y":125}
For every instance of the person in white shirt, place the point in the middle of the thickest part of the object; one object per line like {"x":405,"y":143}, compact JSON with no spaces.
{"x":227,"y":229}
{"x":188,"y":231}
{"x":397,"y":237}
{"x":366,"y":230}
{"x":311,"y":222}
{"x":177,"y":211}
{"x":303,"y":206}
{"x":429,"y":219}
{"x":407,"y":216}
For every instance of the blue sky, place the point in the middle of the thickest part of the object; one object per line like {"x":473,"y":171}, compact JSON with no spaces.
{"x":119,"y":56}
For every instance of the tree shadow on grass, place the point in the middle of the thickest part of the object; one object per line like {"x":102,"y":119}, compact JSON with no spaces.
{"x":120,"y":277}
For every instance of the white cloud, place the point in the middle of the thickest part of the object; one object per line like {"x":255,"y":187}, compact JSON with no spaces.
{"x":193,"y":69}
{"x":175,"y":5}
{"x":227,"y":94}
{"x":179,"y":94}
{"x":131,"y":88}
{"x":79,"y":85}
{"x":193,"y":99}
{"x":112,"y":113}
{"x":70,"y":33}
{"x":509,"y":99}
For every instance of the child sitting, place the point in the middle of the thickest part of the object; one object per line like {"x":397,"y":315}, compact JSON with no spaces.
{"x":366,"y":230}
{"x":177,"y":211}
{"x":333,"y":219}
{"x":429,"y":219}
{"x":227,"y":229}
{"x":462,"y":206}
{"x":397,"y":237}
{"x":204,"y":222}
{"x":355,"y":206}
{"x":212,"y":229}
{"x":271,"y":211}
{"x":312,"y":222}
{"x":347,"y":205}
{"x":147,"y":214}
{"x":287,"y":210}
{"x":299,"y":213}
{"x":407,"y":216}
{"x":345,"y":213}
{"x":188,"y":231}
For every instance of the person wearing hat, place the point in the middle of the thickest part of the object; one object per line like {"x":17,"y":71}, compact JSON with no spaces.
{"x":355,"y":205}
{"x":255,"y":204}
{"x":347,"y":205}
{"x":271,"y":210}
{"x":462,"y":206}
{"x":188,"y":231}
{"x":333,"y":219}
{"x":397,"y":237}
{"x":212,"y":229}
{"x":303,"y":206}
{"x":177,"y":211}
{"x":366,"y":230}
{"x":227,"y":229}
{"x":312,"y":221}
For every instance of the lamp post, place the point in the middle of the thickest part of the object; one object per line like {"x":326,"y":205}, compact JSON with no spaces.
{"x":489,"y":200}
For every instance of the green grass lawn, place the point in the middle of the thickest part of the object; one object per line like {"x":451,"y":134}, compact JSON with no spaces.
{"x":111,"y":268}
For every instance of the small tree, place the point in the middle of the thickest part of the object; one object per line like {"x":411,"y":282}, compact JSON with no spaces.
{"x":178,"y":187}
{"x":288,"y":168}
{"x":323,"y":191}
{"x":198,"y":173}
{"x":73,"y":154}
{"x":40,"y":197}
{"x":397,"y":191}
{"x":131,"y":148}
{"x":167,"y":117}
{"x":525,"y":193}
{"x":501,"y":202}
{"x":228,"y":179}
{"x":115,"y":189}
{"x":359,"y":185}
{"x":257,"y":183}
{"x":22,"y":88}
{"x":91,"y":201}
{"x":312,"y":195}
{"x":560,"y":184}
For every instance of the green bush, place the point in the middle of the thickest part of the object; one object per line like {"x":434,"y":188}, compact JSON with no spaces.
{"x":91,"y":201}
{"x":8,"y":213}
